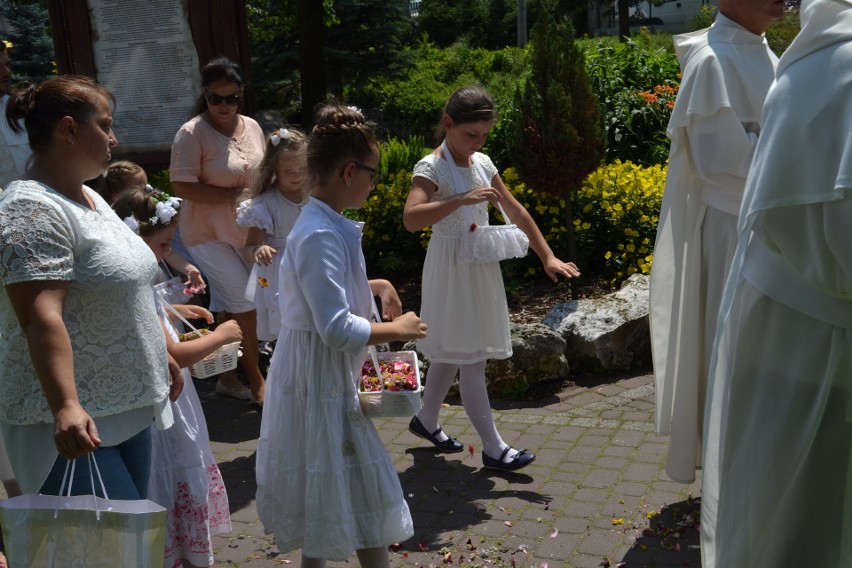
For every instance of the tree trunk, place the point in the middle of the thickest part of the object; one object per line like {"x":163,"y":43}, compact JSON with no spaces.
{"x":309,"y":15}
{"x":623,"y":19}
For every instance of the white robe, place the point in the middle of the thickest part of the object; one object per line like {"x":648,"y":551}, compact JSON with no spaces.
{"x":777,"y":483}
{"x":727,"y":71}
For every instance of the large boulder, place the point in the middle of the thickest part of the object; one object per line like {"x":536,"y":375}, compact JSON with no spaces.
{"x":538,"y":354}
{"x":609,"y":334}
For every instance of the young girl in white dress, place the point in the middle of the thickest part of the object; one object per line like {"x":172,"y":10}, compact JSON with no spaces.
{"x":273,"y":204}
{"x":325,"y":482}
{"x":184,"y":476}
{"x":465,"y":304}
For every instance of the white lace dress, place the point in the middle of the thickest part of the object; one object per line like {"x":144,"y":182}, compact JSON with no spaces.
{"x":325,"y":482}
{"x":186,"y":481}
{"x":464,"y":305}
{"x":275,"y":215}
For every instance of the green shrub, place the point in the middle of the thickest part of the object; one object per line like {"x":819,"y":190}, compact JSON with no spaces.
{"x":401,"y":155}
{"x":616,"y":214}
{"x":389,"y":249}
{"x":636,"y":85}
{"x":781,"y":33}
{"x":160,"y":179}
{"x":548,"y":212}
{"x":703,"y":18}
{"x":417,"y":95}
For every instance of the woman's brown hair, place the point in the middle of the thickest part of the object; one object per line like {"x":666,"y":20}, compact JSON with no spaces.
{"x":43,"y":105}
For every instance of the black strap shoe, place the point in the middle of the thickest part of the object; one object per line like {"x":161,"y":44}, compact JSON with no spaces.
{"x":520,"y":460}
{"x":448,"y":446}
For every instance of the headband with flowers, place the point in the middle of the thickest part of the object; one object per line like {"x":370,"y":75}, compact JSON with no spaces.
{"x":166,"y":209}
{"x":279,"y":135}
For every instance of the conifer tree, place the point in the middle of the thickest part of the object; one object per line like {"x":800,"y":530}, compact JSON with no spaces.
{"x":32,"y":47}
{"x":558,"y":132}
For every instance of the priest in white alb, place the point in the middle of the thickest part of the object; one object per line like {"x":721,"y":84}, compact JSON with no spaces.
{"x":715,"y":124}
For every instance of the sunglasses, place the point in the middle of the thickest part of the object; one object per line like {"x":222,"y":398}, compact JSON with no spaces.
{"x":216,"y":100}
{"x":375,"y":175}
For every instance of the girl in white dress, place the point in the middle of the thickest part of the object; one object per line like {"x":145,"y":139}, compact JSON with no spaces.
{"x":184,"y":476}
{"x":273,"y":204}
{"x":465,"y":304}
{"x":325,"y":482}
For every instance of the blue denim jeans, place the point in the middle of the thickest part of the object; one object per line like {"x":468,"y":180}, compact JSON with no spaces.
{"x":124,"y":470}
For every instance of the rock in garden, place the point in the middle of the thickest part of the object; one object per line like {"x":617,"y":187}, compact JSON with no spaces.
{"x":538,"y":354}
{"x":606,"y":334}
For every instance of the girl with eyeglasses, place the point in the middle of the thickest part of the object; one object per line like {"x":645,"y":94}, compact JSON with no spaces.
{"x":269,"y":211}
{"x":325,"y":482}
{"x":215,"y":158}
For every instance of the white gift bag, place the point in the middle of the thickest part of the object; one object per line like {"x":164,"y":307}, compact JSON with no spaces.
{"x":84,"y":531}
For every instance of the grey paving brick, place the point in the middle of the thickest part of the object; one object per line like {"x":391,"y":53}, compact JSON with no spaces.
{"x":600,"y":543}
{"x":598,"y":460}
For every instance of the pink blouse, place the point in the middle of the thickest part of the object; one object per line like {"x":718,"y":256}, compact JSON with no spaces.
{"x":202,"y":154}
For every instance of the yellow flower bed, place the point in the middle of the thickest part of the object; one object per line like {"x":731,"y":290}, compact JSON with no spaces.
{"x":616,"y":214}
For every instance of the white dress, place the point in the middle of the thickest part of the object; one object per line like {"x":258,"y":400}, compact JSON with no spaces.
{"x":325,"y":482}
{"x":275,"y":215}
{"x":185,"y":479}
{"x":464,"y":305}
{"x":714,"y":128}
{"x":777,"y":482}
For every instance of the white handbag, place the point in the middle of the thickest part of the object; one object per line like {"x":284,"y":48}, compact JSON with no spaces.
{"x":489,"y":243}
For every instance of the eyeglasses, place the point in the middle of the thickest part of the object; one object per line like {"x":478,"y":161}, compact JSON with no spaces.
{"x":216,"y":100}
{"x":375,"y":175}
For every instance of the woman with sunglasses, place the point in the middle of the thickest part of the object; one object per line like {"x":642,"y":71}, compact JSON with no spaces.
{"x":215,"y":157}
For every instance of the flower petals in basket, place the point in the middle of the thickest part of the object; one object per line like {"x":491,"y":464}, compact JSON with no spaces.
{"x":221,"y":360}
{"x":395,"y":389}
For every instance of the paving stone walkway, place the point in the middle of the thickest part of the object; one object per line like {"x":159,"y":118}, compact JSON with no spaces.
{"x":596,"y":495}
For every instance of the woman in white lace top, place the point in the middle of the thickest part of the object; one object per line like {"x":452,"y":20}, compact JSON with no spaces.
{"x":84,"y":364}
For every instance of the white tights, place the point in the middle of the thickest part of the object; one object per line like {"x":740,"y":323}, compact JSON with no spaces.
{"x":474,"y":395}
{"x":367,"y":557}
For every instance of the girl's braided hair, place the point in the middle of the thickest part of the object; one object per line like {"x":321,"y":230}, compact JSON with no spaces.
{"x":119,"y":176}
{"x":341,"y":134}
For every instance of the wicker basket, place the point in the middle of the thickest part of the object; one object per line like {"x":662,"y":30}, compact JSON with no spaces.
{"x":387,"y":404}
{"x":221,"y":360}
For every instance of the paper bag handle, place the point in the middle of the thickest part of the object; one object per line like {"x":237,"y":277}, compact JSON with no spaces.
{"x":69,"y":479}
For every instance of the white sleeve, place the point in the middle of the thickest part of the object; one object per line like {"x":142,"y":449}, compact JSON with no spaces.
{"x":722,"y":147}
{"x":321,"y":265}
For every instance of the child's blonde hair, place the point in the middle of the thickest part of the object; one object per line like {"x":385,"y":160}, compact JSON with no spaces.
{"x":287,"y":140}
{"x":146,"y":210}
{"x":119,"y":176}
